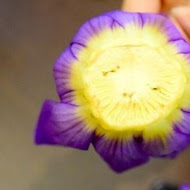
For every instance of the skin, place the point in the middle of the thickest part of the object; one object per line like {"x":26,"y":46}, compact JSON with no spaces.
{"x":178,"y":11}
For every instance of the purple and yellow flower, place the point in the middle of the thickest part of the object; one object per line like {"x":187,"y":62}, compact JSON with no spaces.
{"x":124,"y":86}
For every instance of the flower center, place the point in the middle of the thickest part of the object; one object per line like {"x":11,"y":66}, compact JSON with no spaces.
{"x":132,"y":86}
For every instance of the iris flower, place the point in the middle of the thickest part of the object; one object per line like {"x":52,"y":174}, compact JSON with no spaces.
{"x":124,"y":86}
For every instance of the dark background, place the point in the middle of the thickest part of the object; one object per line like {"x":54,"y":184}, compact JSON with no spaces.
{"x":32,"y":34}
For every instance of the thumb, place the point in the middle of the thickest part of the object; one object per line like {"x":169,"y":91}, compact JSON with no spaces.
{"x":181,"y":16}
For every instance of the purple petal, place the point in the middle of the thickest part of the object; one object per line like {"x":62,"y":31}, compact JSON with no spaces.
{"x":175,"y":143}
{"x":141,"y":19}
{"x":59,"y":125}
{"x":62,"y":70}
{"x":163,"y":24}
{"x":185,"y":187}
{"x":92,"y":28}
{"x":120,"y":154}
{"x":75,"y":48}
{"x":125,"y":18}
{"x":183,"y":126}
{"x":182,"y":46}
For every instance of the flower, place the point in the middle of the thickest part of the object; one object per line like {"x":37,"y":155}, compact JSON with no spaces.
{"x":124,"y":86}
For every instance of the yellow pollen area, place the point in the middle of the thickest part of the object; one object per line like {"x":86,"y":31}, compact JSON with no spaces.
{"x":136,"y":87}
{"x":125,"y":81}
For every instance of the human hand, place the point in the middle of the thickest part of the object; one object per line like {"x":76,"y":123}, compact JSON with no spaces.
{"x":178,"y":11}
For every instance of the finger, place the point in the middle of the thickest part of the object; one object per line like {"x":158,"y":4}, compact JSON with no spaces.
{"x":167,"y":5}
{"x":181,"y":15}
{"x":152,"y":6}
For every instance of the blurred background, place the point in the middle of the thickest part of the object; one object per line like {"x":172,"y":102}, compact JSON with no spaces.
{"x":33,"y":33}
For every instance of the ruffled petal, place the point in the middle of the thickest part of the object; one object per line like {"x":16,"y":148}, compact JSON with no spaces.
{"x":183,"y":126}
{"x":163,"y":24}
{"x":63,"y":66}
{"x":182,"y":46}
{"x":62,"y":71}
{"x":59,"y":125}
{"x":92,"y":28}
{"x":120,"y":154}
{"x":126,"y":18}
{"x":168,"y":146}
